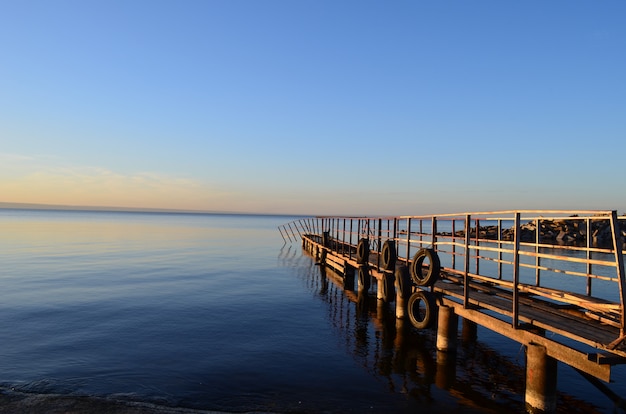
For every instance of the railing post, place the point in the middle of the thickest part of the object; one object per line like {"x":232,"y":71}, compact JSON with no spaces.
{"x":380,"y":236}
{"x":421,"y":233}
{"x":500,"y":249}
{"x":408,"y":239}
{"x":281,"y":234}
{"x":295,"y":224}
{"x":292,"y":232}
{"x":343,"y":237}
{"x":619,"y":261}
{"x":477,"y":243}
{"x":395,"y":228}
{"x":453,"y":243}
{"x":537,"y":258}
{"x":351,"y":229}
{"x":467,"y":262}
{"x":516,"y":271}
{"x":588,"y":244}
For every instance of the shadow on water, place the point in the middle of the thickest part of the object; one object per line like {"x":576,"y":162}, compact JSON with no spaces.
{"x":477,"y":378}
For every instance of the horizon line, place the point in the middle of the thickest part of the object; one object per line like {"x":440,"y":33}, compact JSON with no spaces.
{"x":119,"y":209}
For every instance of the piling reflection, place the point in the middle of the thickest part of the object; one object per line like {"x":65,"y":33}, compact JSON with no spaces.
{"x":477,"y":377}
{"x":391,"y":349}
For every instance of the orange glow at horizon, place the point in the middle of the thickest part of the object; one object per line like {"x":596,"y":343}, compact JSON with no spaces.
{"x":106,"y":189}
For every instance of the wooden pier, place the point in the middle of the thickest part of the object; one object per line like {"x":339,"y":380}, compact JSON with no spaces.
{"x":551,"y":280}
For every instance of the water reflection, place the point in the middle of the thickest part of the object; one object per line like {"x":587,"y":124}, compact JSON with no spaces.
{"x":474,"y":379}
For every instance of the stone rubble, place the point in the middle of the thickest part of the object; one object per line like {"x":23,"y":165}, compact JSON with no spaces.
{"x":564,"y":231}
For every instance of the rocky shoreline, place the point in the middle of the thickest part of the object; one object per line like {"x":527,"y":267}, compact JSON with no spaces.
{"x":564,"y":231}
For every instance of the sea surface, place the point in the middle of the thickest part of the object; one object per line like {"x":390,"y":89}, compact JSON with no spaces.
{"x":217,"y":312}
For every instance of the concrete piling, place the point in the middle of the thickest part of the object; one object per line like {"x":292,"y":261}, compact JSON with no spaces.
{"x":541,"y":373}
{"x":403,"y":290}
{"x":447,"y":329}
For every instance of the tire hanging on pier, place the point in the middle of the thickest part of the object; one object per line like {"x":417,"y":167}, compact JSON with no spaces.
{"x":429,"y":276}
{"x":364,"y":278}
{"x":363,"y":251}
{"x":422,"y":309}
{"x":389,"y":255}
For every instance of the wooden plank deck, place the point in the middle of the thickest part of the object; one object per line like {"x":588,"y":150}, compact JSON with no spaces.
{"x":567,"y":321}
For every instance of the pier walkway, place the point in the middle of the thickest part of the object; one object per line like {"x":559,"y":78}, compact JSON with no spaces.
{"x":553,"y":281}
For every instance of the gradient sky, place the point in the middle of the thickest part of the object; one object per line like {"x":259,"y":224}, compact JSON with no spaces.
{"x":314,"y":107}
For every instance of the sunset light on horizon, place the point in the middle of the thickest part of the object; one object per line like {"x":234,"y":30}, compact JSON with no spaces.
{"x":314,"y":107}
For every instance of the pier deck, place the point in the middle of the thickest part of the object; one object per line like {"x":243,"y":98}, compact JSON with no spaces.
{"x":553,"y":278}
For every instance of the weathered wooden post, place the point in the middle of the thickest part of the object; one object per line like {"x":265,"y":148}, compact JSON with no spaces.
{"x":447,"y":329}
{"x":541,"y":371}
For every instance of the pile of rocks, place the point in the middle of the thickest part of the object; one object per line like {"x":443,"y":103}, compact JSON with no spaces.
{"x":565,"y":231}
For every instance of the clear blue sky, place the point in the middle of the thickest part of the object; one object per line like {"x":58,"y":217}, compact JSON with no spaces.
{"x":314,"y":107}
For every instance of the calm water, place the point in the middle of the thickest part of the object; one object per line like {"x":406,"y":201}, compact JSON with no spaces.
{"x":213,"y":312}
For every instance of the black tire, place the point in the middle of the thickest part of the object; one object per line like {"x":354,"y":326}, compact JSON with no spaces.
{"x":388,"y":292}
{"x":422,"y":309}
{"x":431,"y":275}
{"x":362,"y":251}
{"x":403,"y":280}
{"x":389,"y":255}
{"x":364,"y":278}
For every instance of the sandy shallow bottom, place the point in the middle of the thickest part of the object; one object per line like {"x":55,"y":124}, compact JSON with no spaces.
{"x":27,"y":403}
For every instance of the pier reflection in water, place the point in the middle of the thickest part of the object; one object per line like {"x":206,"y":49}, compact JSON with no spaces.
{"x":474,"y":379}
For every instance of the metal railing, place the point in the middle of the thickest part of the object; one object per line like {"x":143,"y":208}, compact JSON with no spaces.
{"x":569,"y":257}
